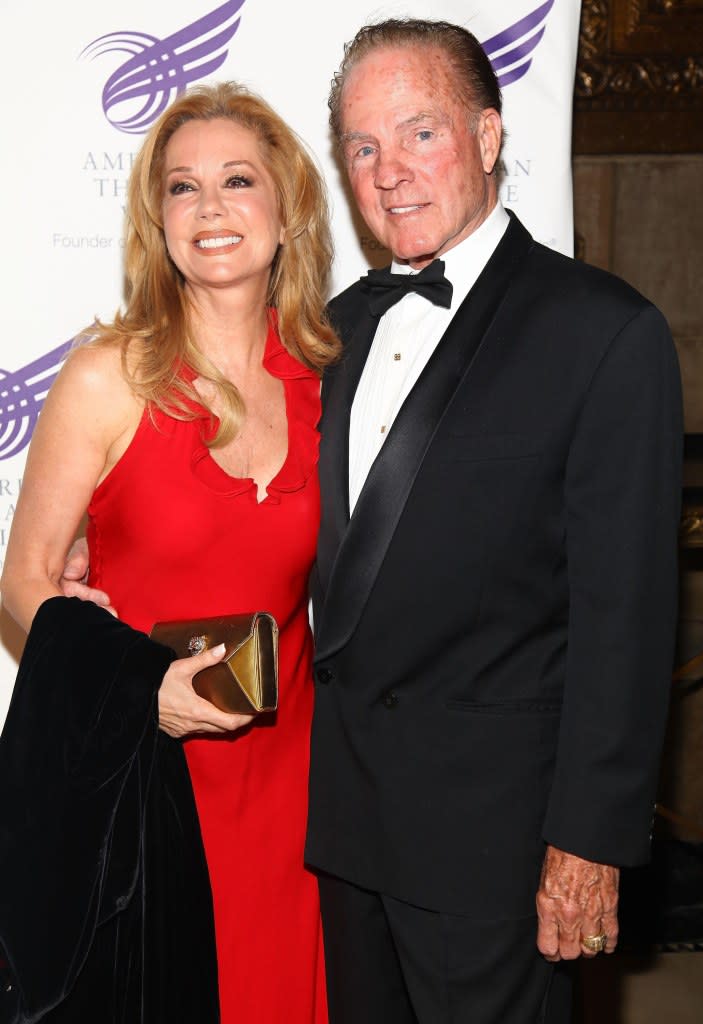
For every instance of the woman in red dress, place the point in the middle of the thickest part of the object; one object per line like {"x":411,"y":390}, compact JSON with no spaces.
{"x":187,"y":429}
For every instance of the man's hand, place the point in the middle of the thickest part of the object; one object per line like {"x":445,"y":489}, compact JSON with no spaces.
{"x":576,"y":898}
{"x":75,"y":573}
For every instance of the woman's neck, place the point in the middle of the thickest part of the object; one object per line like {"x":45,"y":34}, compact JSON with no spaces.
{"x":230,"y":329}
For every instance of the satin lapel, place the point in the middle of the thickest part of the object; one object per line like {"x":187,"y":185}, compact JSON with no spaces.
{"x":337,"y":397}
{"x":382,"y":500}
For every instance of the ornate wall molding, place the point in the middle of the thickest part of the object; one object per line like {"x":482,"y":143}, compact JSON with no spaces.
{"x":639,"y":77}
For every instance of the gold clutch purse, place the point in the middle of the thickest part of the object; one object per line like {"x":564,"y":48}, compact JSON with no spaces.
{"x":246,"y":680}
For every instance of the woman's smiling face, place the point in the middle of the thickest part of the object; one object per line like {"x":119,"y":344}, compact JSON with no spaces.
{"x":220,"y":212}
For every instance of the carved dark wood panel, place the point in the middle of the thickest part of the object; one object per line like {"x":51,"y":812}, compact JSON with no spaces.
{"x":639,"y":78}
{"x":664,"y":27}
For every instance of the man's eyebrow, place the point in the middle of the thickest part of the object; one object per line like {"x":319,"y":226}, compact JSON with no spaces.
{"x":424,"y":115}
{"x":409,"y":122}
{"x":354,"y":136}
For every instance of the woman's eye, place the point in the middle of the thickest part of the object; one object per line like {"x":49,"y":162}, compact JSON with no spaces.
{"x":238,"y":181}
{"x":180,"y":186}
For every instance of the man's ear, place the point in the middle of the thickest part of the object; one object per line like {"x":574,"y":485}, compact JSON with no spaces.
{"x":489,"y":133}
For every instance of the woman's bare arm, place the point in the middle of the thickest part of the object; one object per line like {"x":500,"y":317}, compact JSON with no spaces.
{"x":87,"y":421}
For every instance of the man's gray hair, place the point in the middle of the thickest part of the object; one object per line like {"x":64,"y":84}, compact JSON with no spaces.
{"x":475,"y":76}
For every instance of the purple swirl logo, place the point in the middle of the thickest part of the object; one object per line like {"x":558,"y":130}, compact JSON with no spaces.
{"x":22,"y":395}
{"x":510,"y":51}
{"x":158,"y":70}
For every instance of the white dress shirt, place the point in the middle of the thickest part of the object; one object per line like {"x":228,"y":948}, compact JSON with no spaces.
{"x":405,"y":338}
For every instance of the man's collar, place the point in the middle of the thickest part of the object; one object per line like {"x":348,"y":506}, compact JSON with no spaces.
{"x":465,"y":261}
{"x":480,"y":242}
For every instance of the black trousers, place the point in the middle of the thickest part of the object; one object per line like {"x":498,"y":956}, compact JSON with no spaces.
{"x":389,"y":962}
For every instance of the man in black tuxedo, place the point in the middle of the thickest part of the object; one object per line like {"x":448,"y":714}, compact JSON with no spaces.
{"x":495,"y":593}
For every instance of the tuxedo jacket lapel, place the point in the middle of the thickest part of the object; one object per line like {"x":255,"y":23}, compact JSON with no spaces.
{"x":362,"y":546}
{"x":339,"y":388}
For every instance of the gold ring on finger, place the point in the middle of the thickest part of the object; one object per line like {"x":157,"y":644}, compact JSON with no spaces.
{"x":594,"y":943}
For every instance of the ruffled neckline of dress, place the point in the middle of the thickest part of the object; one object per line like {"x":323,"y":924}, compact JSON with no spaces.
{"x":303,"y":409}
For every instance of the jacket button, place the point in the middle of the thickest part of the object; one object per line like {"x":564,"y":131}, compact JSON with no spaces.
{"x":325,"y":675}
{"x":390,"y":700}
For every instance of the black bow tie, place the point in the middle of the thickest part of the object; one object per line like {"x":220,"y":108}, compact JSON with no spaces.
{"x":385,"y":289}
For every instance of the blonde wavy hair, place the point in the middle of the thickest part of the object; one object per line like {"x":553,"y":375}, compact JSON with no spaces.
{"x":153,"y":329}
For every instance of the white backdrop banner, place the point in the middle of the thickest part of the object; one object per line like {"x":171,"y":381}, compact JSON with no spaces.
{"x":83,"y":82}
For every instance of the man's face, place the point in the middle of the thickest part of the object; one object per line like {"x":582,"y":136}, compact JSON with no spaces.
{"x":420,"y":175}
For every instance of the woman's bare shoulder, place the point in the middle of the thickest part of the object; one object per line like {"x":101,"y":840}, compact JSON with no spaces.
{"x":96,"y":373}
{"x":96,"y":364}
{"x":91,"y":389}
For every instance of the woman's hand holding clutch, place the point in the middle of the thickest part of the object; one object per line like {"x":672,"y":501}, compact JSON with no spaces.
{"x":181,"y":711}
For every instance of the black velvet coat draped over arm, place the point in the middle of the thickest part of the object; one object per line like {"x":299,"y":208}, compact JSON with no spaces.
{"x":105,"y":904}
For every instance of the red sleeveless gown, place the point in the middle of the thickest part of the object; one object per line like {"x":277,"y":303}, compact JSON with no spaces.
{"x":172,"y":536}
